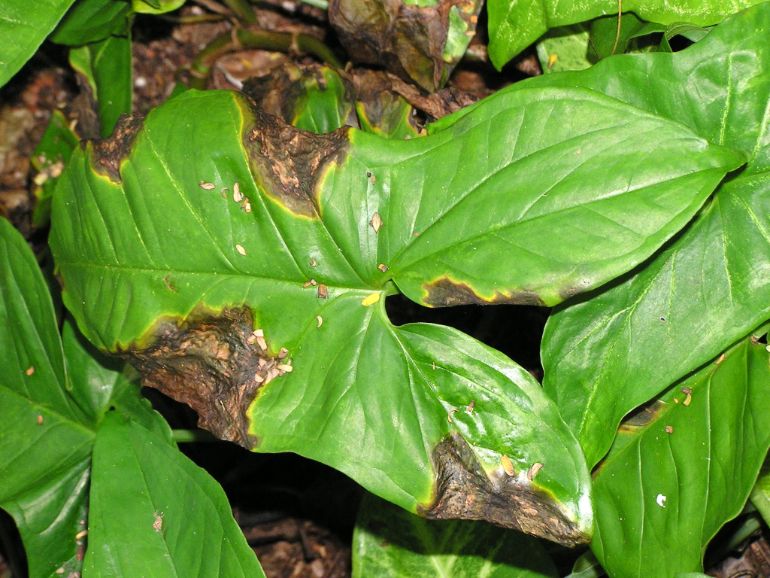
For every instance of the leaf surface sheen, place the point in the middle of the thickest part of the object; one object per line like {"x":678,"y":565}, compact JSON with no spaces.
{"x":23,"y":27}
{"x":605,"y":355}
{"x":515,"y":24}
{"x":54,"y":394}
{"x":168,"y":239}
{"x":391,"y":543}
{"x":174,"y":520}
{"x":676,"y":476}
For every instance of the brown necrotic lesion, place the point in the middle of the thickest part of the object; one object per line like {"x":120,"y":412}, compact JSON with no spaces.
{"x":216,"y":364}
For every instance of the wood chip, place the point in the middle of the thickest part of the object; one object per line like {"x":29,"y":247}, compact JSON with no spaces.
{"x":237,"y":194}
{"x":532,"y":472}
{"x":258,"y":378}
{"x":376,"y":222}
{"x":285,"y":368}
{"x":206,"y":186}
{"x":382,"y":267}
{"x":282,"y":353}
{"x":469,"y":407}
{"x":687,"y":399}
{"x":323,"y":292}
{"x":669,"y":429}
{"x":240,"y":249}
{"x":30,"y":370}
{"x":262,"y":362}
{"x":39,"y":420}
{"x":319,"y":321}
{"x":310,"y":283}
{"x":157,"y":523}
{"x":507,"y":465}
{"x":246,"y":206}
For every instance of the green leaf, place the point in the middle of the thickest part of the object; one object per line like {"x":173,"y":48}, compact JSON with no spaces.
{"x":604,"y":35}
{"x":45,"y":447}
{"x":23,"y":27}
{"x":676,"y":476}
{"x":564,"y":49}
{"x":156,"y":6}
{"x":50,"y":411}
{"x":707,"y":289}
{"x":515,"y":24}
{"x":391,"y":543}
{"x":173,"y":519}
{"x":49,"y":159}
{"x":760,"y":495}
{"x":303,"y":259}
{"x":93,"y":20}
{"x":323,"y":107}
{"x":106,"y":65}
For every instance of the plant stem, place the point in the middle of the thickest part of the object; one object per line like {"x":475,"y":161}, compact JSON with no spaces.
{"x":260,"y":39}
{"x":242,"y":10}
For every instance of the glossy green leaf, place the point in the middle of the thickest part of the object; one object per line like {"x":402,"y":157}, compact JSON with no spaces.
{"x":156,"y":6}
{"x":564,"y":49}
{"x":760,"y":495}
{"x":45,"y":446}
{"x":93,"y":20}
{"x":106,"y":66}
{"x":53,"y":396}
{"x":686,"y":467}
{"x":166,"y":248}
{"x":324,"y":106}
{"x":391,"y":543}
{"x":23,"y":27}
{"x":515,"y":24}
{"x":708,"y":288}
{"x":173,"y":519}
{"x":49,"y":159}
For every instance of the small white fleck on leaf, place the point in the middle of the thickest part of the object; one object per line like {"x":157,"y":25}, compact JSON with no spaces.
{"x":206,"y":186}
{"x":660,"y":499}
{"x":240,"y":249}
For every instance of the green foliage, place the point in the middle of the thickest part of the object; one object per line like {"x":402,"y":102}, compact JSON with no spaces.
{"x":68,"y":420}
{"x":515,"y":24}
{"x":684,"y":468}
{"x":391,"y":543}
{"x":597,"y":353}
{"x":23,"y":27}
{"x":234,"y":257}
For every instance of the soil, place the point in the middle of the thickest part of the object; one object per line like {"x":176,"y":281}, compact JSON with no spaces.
{"x":297,"y":515}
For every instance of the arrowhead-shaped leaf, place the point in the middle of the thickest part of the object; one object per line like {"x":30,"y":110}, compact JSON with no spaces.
{"x":683,"y":468}
{"x":178,"y":239}
{"x":53,"y":397}
{"x":608,"y":354}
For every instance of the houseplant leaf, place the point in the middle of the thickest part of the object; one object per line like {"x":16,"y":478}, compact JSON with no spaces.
{"x":515,"y":24}
{"x":93,"y":20}
{"x":674,"y":478}
{"x":390,"y":543}
{"x":23,"y":27}
{"x":153,"y":216}
{"x":169,"y":509}
{"x":53,"y":398}
{"x":45,"y":447}
{"x":106,"y":66}
{"x":597,"y":352}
